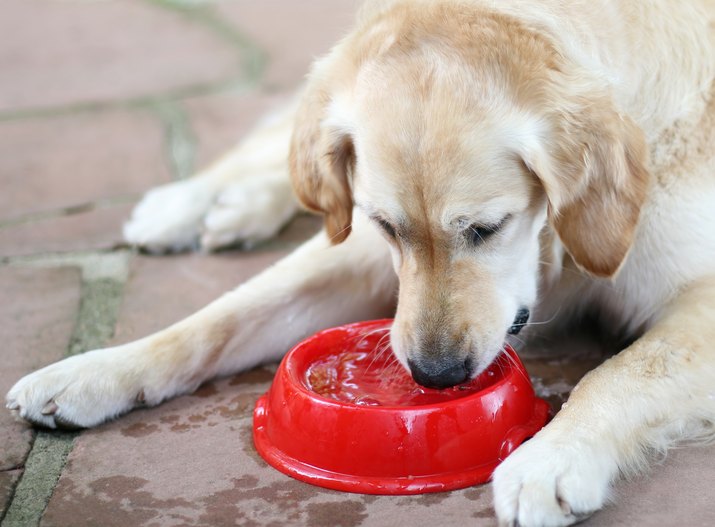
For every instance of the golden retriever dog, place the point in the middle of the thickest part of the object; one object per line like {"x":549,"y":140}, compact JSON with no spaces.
{"x":495,"y":159}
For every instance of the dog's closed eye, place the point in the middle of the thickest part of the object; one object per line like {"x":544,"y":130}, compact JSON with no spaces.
{"x":386,"y":227}
{"x":477,"y":233}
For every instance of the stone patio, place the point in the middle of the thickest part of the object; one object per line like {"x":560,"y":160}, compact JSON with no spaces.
{"x":100,"y":101}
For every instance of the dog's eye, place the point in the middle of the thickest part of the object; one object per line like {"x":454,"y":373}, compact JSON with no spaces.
{"x":385,"y":226}
{"x":478,"y":234}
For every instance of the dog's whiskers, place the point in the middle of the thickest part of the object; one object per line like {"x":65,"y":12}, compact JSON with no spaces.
{"x":367,"y":334}
{"x":539,"y":323}
{"x":381,"y":349}
{"x":390,"y":368}
{"x":513,"y":362}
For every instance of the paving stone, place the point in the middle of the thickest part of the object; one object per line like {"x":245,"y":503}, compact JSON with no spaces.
{"x":100,"y":228}
{"x":8,"y":479}
{"x":103,"y":51}
{"x":37,"y":316}
{"x":677,"y":493}
{"x":54,"y":163}
{"x":219,"y":122}
{"x":292,"y":34}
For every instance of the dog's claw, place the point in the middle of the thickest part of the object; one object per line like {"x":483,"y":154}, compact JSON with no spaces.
{"x":140,"y":399}
{"x":50,"y":408}
{"x":12,"y":405}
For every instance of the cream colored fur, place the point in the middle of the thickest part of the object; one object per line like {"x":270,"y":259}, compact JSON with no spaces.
{"x":587,"y":125}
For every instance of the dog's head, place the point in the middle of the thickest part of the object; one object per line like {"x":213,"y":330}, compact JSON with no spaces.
{"x":462,"y":135}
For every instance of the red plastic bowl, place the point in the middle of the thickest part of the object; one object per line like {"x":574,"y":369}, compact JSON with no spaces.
{"x":454,"y":441}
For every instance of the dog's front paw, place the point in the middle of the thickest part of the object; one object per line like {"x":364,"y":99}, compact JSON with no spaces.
{"x":249,"y":211}
{"x":78,"y":392}
{"x":551,"y":483}
{"x":169,"y":218}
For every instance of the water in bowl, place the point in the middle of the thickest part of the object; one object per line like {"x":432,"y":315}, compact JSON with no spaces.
{"x":373,"y":377}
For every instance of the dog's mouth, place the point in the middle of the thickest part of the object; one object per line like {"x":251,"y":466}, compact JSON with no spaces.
{"x":520,"y":320}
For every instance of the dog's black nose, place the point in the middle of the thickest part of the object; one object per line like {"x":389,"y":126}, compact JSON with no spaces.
{"x":437,"y":374}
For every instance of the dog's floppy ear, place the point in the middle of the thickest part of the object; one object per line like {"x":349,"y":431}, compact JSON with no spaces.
{"x":321,"y":162}
{"x":592,"y":164}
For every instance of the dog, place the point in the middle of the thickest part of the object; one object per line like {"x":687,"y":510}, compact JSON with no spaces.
{"x":486,"y":161}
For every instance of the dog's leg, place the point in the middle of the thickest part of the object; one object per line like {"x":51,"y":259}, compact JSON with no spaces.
{"x":659,"y":390}
{"x":245,"y":197}
{"x":315,"y":287}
